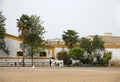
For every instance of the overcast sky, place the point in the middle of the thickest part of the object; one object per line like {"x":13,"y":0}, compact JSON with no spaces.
{"x":87,"y":17}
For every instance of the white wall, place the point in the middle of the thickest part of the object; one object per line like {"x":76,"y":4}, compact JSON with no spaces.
{"x":48,"y":53}
{"x":115,"y":52}
{"x":13,"y":46}
{"x":2,"y":53}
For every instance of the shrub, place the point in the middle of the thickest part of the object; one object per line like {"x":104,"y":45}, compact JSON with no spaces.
{"x":106,"y":57}
{"x":76,"y":53}
{"x":62,"y":55}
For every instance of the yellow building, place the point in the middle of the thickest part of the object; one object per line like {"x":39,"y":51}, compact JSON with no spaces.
{"x":112,"y":43}
{"x":53,"y":46}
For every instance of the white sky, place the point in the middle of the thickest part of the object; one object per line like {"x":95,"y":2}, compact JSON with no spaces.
{"x":84,"y":16}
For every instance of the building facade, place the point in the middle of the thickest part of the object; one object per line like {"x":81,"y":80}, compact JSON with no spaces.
{"x":53,"y":46}
{"x":111,"y":43}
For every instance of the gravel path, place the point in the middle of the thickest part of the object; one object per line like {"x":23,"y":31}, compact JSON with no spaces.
{"x":59,"y":74}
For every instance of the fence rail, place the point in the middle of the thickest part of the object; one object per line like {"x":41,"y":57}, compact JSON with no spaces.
{"x":19,"y":64}
{"x":4,"y":62}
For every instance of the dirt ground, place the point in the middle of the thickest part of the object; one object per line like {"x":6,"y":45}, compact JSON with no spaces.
{"x":60,"y":74}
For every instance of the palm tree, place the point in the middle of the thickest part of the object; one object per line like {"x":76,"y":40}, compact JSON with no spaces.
{"x":71,"y":38}
{"x":31,"y":31}
{"x":23,"y":25}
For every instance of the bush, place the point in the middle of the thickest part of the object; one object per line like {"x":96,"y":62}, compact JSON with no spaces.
{"x":106,"y":57}
{"x":76,"y":53}
{"x":62,"y":55}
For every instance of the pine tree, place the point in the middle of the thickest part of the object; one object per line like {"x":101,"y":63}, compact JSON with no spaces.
{"x":2,"y":34}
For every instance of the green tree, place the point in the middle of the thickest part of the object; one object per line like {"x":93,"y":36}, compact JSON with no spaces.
{"x":98,"y":43}
{"x":32,"y":33}
{"x":94,"y":46}
{"x":76,"y":53}
{"x":86,"y":44}
{"x":2,"y":33}
{"x":2,"y":26}
{"x":98,"y":47}
{"x":23,"y":24}
{"x":71,"y":38}
{"x":35,"y":38}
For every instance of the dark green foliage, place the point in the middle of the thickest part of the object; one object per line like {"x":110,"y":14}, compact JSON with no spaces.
{"x":31,"y":31}
{"x":2,"y":33}
{"x":93,"y":47}
{"x":35,"y":35}
{"x":106,"y":57}
{"x":97,"y":43}
{"x":86,"y":44}
{"x":62,"y":55}
{"x":23,"y":23}
{"x":76,"y":53}
{"x":4,"y":47}
{"x":2,"y":26}
{"x":71,"y":38}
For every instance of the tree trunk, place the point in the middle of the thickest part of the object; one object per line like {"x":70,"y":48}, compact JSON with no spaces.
{"x":24,"y":33}
{"x":23,"y":55}
{"x":32,"y":57}
{"x":32,"y":61}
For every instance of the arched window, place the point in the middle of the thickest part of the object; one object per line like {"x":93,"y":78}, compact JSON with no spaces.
{"x":19,"y":53}
{"x":43,"y":53}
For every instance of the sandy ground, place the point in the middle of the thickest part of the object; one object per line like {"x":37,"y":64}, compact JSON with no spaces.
{"x":59,"y":74}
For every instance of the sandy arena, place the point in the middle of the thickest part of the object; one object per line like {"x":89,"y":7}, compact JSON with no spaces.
{"x":60,"y":74}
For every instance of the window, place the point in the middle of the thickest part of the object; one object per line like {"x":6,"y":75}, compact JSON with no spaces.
{"x":19,"y":53}
{"x":43,"y":53}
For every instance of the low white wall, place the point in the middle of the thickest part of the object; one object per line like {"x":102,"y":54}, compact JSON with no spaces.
{"x":115,"y":52}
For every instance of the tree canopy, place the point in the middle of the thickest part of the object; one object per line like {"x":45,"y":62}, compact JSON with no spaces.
{"x":86,"y":44}
{"x":71,"y":38}
{"x":2,"y":25}
{"x":92,"y":45}
{"x":97,"y":43}
{"x":31,"y":31}
{"x":76,"y":53}
{"x":2,"y":34}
